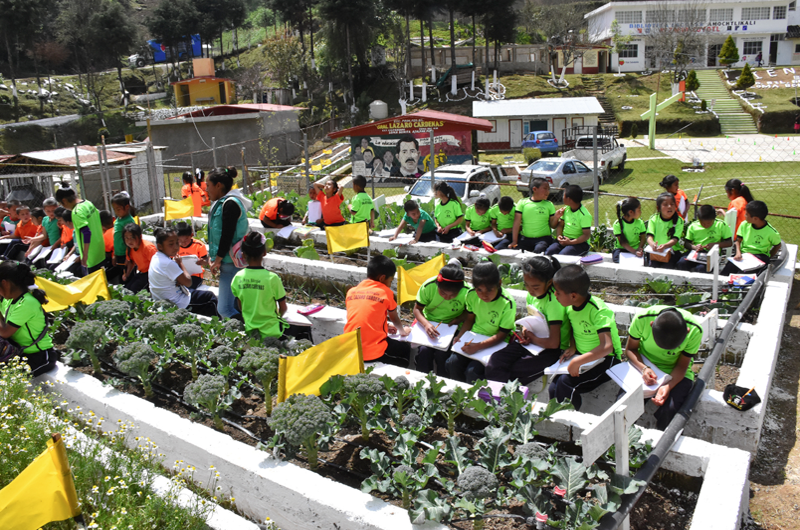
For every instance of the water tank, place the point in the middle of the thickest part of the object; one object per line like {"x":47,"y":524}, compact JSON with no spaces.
{"x":378,"y":110}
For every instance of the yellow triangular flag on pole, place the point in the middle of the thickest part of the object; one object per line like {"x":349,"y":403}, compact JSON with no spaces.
{"x":178,"y":209}
{"x":85,"y":290}
{"x":347,"y":237}
{"x":44,"y":492}
{"x":307,"y":372}
{"x":409,"y":281}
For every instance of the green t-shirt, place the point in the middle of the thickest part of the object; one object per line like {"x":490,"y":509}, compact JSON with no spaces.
{"x":588,"y":321}
{"x":26,"y":314}
{"x":361,"y":208}
{"x":437,"y":309}
{"x":52,"y":229}
{"x":446,"y":214}
{"x":660,"y":230}
{"x":629,"y":231}
{"x":642,"y":330}
{"x":429,"y":226}
{"x":757,"y":240}
{"x":491,"y":317}
{"x":575,"y":222}
{"x":477,"y":222}
{"x":554,"y":312}
{"x":504,"y":220}
{"x":259,"y":291}
{"x":85,"y":214}
{"x":535,"y":217}
{"x":717,"y":232}
{"x":120,"y":249}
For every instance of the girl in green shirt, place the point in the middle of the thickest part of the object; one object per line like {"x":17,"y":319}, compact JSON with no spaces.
{"x":629,"y":229}
{"x":664,"y":232}
{"x":447,"y":213}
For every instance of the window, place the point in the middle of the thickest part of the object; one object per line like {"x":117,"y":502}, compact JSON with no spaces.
{"x":581,"y":168}
{"x":752,"y":48}
{"x":569,"y":167}
{"x":661,"y":16}
{"x":629,"y":50}
{"x":779,"y":12}
{"x":777,"y":37}
{"x":692,"y":16}
{"x":720,"y":15}
{"x":755,"y":13}
{"x":494,"y":126}
{"x":797,"y":48}
{"x":792,"y":6}
{"x":629,"y":17}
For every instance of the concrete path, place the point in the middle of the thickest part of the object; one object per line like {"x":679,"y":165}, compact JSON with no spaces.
{"x":732,"y":117}
{"x":45,"y":122}
{"x":735,"y":148}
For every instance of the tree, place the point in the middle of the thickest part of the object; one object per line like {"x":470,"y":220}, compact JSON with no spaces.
{"x":562,"y":26}
{"x":112,"y":31}
{"x":499,"y":21}
{"x":282,"y":58}
{"x":729,"y":53}
{"x":174,"y":21}
{"x":692,"y":83}
{"x":620,"y":41}
{"x":746,"y":79}
{"x":676,"y":36}
{"x":405,"y":9}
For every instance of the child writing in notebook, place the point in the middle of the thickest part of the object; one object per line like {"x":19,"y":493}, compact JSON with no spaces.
{"x":574,"y":225}
{"x":502,"y":216}
{"x":515,"y":361}
{"x":739,"y":195}
{"x":756,"y":236}
{"x":441,"y":299}
{"x":671,"y":184}
{"x":594,"y":337}
{"x":477,"y":218}
{"x":702,"y":234}
{"x":189,"y":246}
{"x":447,"y":213}
{"x":491,"y":311}
{"x":419,"y":221}
{"x":140,"y":253}
{"x":664,"y":232}
{"x":629,"y":230}
{"x":534,"y":218}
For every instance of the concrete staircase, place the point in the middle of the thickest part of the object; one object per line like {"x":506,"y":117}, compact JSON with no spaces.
{"x":598,"y":91}
{"x":732,"y":118}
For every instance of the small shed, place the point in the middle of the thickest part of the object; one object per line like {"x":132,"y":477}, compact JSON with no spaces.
{"x":512,"y":119}
{"x":205,"y":88}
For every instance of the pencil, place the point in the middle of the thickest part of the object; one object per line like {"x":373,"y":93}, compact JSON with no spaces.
{"x":437,"y":325}
{"x":745,"y":394}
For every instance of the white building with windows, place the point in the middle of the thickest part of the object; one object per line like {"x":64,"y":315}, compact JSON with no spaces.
{"x":769,"y":27}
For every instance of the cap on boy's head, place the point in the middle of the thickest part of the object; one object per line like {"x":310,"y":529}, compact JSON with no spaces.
{"x":184,"y":229}
{"x":706,"y":213}
{"x":757,"y":209}
{"x":482,"y":204}
{"x":574,"y":193}
{"x":380,"y":266}
{"x":669,"y":329}
{"x":506,"y":204}
{"x":572,"y":279}
{"x":360,"y":181}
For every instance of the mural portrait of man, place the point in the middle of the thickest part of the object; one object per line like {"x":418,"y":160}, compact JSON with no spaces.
{"x":407,"y":154}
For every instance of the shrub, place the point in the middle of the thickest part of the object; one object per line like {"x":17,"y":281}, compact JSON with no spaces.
{"x":729,"y":53}
{"x":692,"y":83}
{"x":746,"y":79}
{"x":634,"y":130}
{"x":531,"y":154}
{"x":704,"y":105}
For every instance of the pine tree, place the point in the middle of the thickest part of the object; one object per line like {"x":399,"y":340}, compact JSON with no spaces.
{"x":746,"y":79}
{"x":729,"y":53}
{"x":692,"y":83}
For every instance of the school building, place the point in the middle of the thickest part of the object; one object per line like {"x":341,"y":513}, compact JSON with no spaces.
{"x":769,"y":27}
{"x":512,"y":119}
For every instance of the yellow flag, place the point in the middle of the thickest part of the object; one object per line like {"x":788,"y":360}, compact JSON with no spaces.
{"x":85,"y":290}
{"x":307,"y":372}
{"x":409,"y":281}
{"x":42,"y":493}
{"x":316,"y":167}
{"x":347,"y":237}
{"x":178,"y":209}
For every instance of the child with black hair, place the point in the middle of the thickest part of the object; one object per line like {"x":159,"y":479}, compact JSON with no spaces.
{"x":420,"y":222}
{"x":441,"y":299}
{"x":573,"y":225}
{"x":50,"y":223}
{"x":368,"y":305}
{"x":107,"y":222}
{"x":330,"y":198}
{"x":24,"y":321}
{"x":140,"y":254}
{"x":502,"y":218}
{"x":669,"y":338}
{"x":671,"y":184}
{"x":362,"y":209}
{"x":594,"y":336}
{"x":88,"y":230}
{"x":67,"y":238}
{"x":276,"y":213}
{"x":190,"y":189}
{"x":200,"y":180}
{"x":25,"y":231}
{"x":477,"y":217}
{"x":756,"y":236}
{"x":447,"y":213}
{"x":37,"y":218}
{"x":124,"y":212}
{"x":259,"y":293}
{"x":169,"y":280}
{"x":739,"y":195}
{"x":535,"y":217}
{"x":189,"y":246}
{"x":490,"y":311}
{"x":702,"y":234}
{"x":11,"y":218}
{"x":664,"y":231}
{"x":515,"y":361}
{"x":629,"y":230}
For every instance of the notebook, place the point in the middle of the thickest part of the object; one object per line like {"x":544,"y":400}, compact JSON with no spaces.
{"x":57,"y":255}
{"x":651,"y":250}
{"x":314,"y":211}
{"x":697,"y":257}
{"x":482,"y":356}
{"x":491,"y":237}
{"x":190,"y":264}
{"x":561,"y":368}
{"x":420,"y":337}
{"x":628,"y":377}
{"x":748,"y":262}
{"x":286,"y":231}
{"x":630,"y":260}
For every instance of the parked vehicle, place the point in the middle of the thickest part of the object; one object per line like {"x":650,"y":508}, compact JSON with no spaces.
{"x":155,"y":52}
{"x":610,"y":154}
{"x":559,"y":172}
{"x":468,"y":181}
{"x":544,"y":141}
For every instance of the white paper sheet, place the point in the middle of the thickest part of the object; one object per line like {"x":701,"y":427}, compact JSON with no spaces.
{"x":44,"y":252}
{"x":482,"y":356}
{"x":9,"y":227}
{"x":190,"y":264}
{"x":562,"y":368}
{"x":747,"y":263}
{"x":389,"y":232}
{"x":67,"y":263}
{"x":314,"y":211}
{"x":651,"y":250}
{"x":630,"y":260}
{"x":58,"y":255}
{"x":535,"y":322}
{"x":464,"y":236}
{"x":293,"y":317}
{"x":327,"y":314}
{"x":533,"y":348}
{"x":402,"y":239}
{"x":508,"y":252}
{"x":697,"y":257}
{"x":628,"y":377}
{"x":491,"y":237}
{"x":418,"y":336}
{"x":35,"y":252}
{"x":568,"y":260}
{"x":286,"y":231}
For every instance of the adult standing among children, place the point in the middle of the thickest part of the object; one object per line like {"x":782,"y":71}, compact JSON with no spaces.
{"x":88,"y":230}
{"x":227,"y":225}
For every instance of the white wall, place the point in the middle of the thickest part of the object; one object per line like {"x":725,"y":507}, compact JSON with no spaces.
{"x":502,"y":134}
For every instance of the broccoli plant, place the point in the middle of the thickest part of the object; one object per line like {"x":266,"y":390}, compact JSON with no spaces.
{"x":132,"y":329}
{"x":263,"y":364}
{"x":478,"y":485}
{"x":115,"y":312}
{"x":402,"y":393}
{"x":208,"y":392}
{"x":222,"y":360}
{"x":192,"y":340}
{"x":302,"y":420}
{"x":85,"y":336}
{"x":159,"y":327}
{"x":365,"y":396}
{"x":135,"y":359}
{"x":452,"y":404}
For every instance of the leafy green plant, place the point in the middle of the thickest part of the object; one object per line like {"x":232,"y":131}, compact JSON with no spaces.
{"x":531,"y":154}
{"x":222,"y":360}
{"x":159,"y":327}
{"x":638,"y":451}
{"x":192,"y":340}
{"x":660,"y":284}
{"x":478,"y":486}
{"x":601,"y":240}
{"x":111,"y":311}
{"x":208,"y":392}
{"x":306,"y":250}
{"x":136,"y":359}
{"x":263,"y":364}
{"x":301,"y":421}
{"x":402,"y":393}
{"x":85,"y":336}
{"x":363,"y":398}
{"x":453,"y":403}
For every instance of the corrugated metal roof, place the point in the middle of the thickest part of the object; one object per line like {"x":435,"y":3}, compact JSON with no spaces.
{"x":66,"y":156}
{"x":536,"y":107}
{"x":445,"y":121}
{"x":243,"y":108}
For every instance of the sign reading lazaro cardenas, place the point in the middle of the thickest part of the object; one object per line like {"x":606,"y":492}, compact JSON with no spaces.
{"x":407,"y":126}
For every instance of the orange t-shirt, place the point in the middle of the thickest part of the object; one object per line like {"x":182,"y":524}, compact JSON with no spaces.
{"x":197,"y":197}
{"x":108,"y":238}
{"x":331,"y":213}
{"x":270,"y":209}
{"x":195,"y":248}
{"x":142,"y":256}
{"x":66,"y":234}
{"x":682,"y":203}
{"x":739,"y":204}
{"x":367,"y":305}
{"x":25,"y":230}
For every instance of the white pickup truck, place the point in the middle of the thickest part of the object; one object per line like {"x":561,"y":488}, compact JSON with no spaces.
{"x":614,"y":156}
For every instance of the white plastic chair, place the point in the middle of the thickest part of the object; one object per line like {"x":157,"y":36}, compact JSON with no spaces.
{"x":730,"y":220}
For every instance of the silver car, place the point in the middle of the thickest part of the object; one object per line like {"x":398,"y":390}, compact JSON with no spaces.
{"x":559,"y":172}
